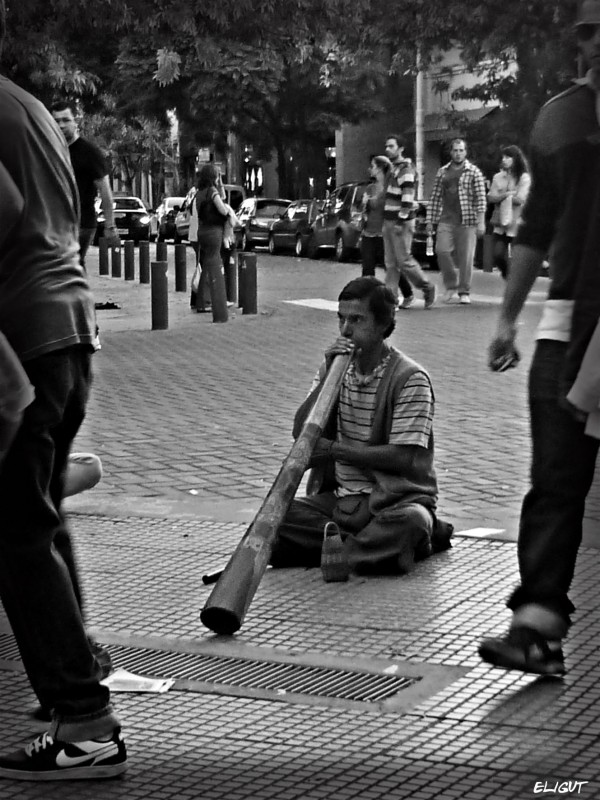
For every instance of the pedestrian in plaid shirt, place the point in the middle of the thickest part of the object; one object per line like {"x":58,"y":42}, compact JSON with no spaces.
{"x":457,"y":208}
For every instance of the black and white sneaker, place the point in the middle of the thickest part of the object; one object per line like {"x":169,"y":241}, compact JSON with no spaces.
{"x":46,"y":759}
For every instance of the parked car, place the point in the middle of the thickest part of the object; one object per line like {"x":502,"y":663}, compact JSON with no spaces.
{"x":293,"y":228}
{"x":165,"y":218}
{"x":338,"y":225}
{"x":132,"y":218}
{"x":234,"y":195}
{"x":256,"y":216}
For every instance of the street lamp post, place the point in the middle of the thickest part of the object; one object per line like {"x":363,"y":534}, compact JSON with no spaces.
{"x":419,"y":127}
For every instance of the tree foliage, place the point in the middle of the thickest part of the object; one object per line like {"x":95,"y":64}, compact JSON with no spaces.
{"x":522,"y":52}
{"x":283,"y":75}
{"x":284,"y":81}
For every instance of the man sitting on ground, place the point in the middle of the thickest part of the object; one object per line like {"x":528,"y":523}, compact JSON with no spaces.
{"x":378,"y":449}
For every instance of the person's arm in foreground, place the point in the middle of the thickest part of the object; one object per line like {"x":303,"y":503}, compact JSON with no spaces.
{"x":16,"y":393}
{"x":106,"y":200}
{"x":11,"y":204}
{"x":525,"y":268}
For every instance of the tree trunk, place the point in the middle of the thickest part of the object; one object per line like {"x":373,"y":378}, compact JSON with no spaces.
{"x":283,"y":171}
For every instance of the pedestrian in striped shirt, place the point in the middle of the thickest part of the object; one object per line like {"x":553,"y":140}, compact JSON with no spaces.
{"x":399,"y":223}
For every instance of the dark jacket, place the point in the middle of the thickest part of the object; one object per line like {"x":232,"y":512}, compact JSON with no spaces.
{"x":562,"y":213}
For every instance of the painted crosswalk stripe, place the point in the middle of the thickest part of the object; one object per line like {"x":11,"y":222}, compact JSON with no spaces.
{"x":315,"y":302}
{"x":481,"y":533}
{"x":535,"y":298}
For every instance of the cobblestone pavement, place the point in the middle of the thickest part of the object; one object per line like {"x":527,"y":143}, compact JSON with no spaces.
{"x":192,"y":425}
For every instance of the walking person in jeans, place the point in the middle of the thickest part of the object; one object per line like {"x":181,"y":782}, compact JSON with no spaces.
{"x":371,"y":243}
{"x":212,"y":215}
{"x":457,"y":208}
{"x":508,"y":192}
{"x":47,"y":316}
{"x":399,"y":223}
{"x":561,"y":217}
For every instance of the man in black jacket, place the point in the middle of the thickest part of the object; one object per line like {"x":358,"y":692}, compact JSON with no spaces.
{"x":560,"y":217}
{"x":91,"y":174}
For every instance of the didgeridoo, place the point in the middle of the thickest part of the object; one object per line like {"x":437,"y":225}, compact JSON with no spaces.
{"x":228,"y":602}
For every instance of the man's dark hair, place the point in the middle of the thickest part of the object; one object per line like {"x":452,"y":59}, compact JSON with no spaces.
{"x":382,"y":303}
{"x":456,"y":140}
{"x":400,"y":140}
{"x":65,"y":105}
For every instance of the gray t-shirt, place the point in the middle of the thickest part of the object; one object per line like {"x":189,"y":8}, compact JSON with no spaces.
{"x":45,"y":299}
{"x":451,"y":212}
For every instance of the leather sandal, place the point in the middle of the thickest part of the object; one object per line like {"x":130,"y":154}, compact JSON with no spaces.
{"x":526,"y":649}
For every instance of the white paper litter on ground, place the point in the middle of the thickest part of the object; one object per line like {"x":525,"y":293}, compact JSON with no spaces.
{"x":123,"y":681}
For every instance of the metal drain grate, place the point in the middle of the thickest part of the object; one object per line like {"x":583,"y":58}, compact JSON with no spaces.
{"x":277,"y":677}
{"x":280,"y":678}
{"x":236,"y":675}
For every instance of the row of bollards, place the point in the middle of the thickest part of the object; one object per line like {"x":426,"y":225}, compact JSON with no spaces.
{"x":235,"y":283}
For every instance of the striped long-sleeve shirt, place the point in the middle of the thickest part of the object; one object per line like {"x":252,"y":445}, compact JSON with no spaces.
{"x":400,"y":190}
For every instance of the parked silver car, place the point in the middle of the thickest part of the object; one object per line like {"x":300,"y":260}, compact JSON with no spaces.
{"x":257,"y":215}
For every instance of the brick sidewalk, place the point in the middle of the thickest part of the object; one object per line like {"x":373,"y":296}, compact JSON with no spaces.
{"x":192,"y":425}
{"x":207,"y":408}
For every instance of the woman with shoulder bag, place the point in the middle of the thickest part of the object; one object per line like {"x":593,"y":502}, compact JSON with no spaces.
{"x":508,"y":193}
{"x":212,"y":215}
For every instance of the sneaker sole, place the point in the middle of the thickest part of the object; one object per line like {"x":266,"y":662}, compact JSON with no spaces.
{"x":69,"y":774}
{"x":492,"y":656}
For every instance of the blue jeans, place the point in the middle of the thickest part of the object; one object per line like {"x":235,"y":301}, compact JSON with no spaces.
{"x":455,"y":249}
{"x":397,"y":245}
{"x":39,"y":584}
{"x":371,"y":251}
{"x":210,"y":241}
{"x":562,"y":470}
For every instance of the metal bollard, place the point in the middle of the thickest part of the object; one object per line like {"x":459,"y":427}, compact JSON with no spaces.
{"x":231,"y":274}
{"x":248,"y":283}
{"x":129,"y":260}
{"x":115,"y":262}
{"x":144,"y":262}
{"x":241,"y":276}
{"x":181,"y":268}
{"x":103,"y":257}
{"x":161,"y":251}
{"x":159,"y":296}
